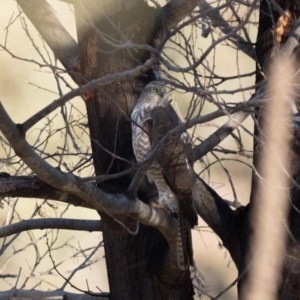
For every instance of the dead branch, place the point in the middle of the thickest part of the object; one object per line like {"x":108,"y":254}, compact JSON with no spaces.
{"x":33,"y":187}
{"x":48,"y":223}
{"x":59,"y":40}
{"x":265,"y":257}
{"x":62,"y":295}
{"x":85,"y":88}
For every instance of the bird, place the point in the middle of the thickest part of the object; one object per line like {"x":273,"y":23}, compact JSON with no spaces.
{"x":172,"y":170}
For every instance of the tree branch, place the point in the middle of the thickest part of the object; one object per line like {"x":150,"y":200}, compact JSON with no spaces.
{"x":33,"y":187}
{"x":176,"y":10}
{"x":108,"y":203}
{"x":64,"y":47}
{"x":47,"y":223}
{"x":172,"y":13}
{"x":219,"y":135}
{"x":115,"y":204}
{"x":293,"y":41}
{"x":219,"y":22}
{"x":33,"y":294}
{"x":217,"y":214}
{"x":83,"y":89}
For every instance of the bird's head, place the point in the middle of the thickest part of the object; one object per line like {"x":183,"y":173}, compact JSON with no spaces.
{"x":155,"y":94}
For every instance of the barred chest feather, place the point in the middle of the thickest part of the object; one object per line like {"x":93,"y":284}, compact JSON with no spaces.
{"x":141,"y":147}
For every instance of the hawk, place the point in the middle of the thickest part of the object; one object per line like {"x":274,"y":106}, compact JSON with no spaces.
{"x":172,"y":171}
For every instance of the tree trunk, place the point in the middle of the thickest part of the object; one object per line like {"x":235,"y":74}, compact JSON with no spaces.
{"x":133,"y":261}
{"x":274,"y":29}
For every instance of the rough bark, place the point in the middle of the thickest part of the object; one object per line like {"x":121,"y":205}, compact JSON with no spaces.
{"x":134,"y":262}
{"x":57,"y":295}
{"x":274,"y":30}
{"x":59,"y":40}
{"x":46,"y":223}
{"x":33,"y":187}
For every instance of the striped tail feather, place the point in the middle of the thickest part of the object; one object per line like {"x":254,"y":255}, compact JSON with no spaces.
{"x":184,"y":243}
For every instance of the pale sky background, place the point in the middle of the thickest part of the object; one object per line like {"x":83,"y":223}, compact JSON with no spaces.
{"x":24,"y":90}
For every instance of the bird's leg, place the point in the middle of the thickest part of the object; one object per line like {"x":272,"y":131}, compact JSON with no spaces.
{"x":163,"y":207}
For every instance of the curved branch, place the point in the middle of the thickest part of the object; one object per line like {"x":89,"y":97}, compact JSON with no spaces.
{"x":65,"y":48}
{"x":85,"y":88}
{"x":218,"y":21}
{"x":218,"y":215}
{"x":214,"y":139}
{"x":176,"y":10}
{"x":33,"y":187}
{"x":47,"y":223}
{"x":171,"y":14}
{"x":15,"y":293}
{"x":293,"y":41}
{"x":212,"y":208}
{"x":115,"y":204}
{"x":219,"y":135}
{"x":212,"y":46}
{"x":108,"y":203}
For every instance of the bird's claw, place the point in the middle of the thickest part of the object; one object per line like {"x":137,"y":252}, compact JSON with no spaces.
{"x":163,"y":207}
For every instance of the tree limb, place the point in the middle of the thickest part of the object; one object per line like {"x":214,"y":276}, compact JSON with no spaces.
{"x":176,"y":10}
{"x":217,"y":214}
{"x":209,"y":203}
{"x":108,"y":203}
{"x":171,"y":14}
{"x":219,"y":135}
{"x":226,"y":129}
{"x":115,"y":204}
{"x":47,"y":223}
{"x":218,"y":21}
{"x":83,"y":89}
{"x":33,"y":294}
{"x":293,"y":41}
{"x":33,"y":187}
{"x":64,"y":47}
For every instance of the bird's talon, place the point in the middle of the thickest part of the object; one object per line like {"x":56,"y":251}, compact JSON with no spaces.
{"x":164,"y":208}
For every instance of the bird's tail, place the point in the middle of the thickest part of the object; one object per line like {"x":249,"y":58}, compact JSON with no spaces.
{"x":184,"y":243}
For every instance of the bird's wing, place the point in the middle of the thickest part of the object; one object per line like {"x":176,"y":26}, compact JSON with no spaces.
{"x":175,"y":159}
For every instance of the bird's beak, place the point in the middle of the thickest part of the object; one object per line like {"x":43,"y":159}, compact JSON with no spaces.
{"x":163,"y":92}
{"x":167,"y":96}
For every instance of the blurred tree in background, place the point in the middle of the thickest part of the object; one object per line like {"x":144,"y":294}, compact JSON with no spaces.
{"x":78,"y":151}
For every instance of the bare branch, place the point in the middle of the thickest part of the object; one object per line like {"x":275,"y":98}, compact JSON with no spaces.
{"x":171,"y":14}
{"x":67,"y":1}
{"x":33,"y":187}
{"x":219,"y":22}
{"x":218,"y":136}
{"x":108,"y":203}
{"x":83,"y":264}
{"x":270,"y":209}
{"x":59,"y":40}
{"x":216,"y":213}
{"x":293,"y":41}
{"x":239,"y":117}
{"x":56,"y":223}
{"x":34,"y":294}
{"x":83,"y":89}
{"x":212,"y":46}
{"x":176,"y":10}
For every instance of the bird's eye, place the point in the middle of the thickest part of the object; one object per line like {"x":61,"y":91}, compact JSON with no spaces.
{"x":153,"y":89}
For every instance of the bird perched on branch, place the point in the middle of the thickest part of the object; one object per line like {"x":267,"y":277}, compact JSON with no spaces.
{"x":172,"y":170}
